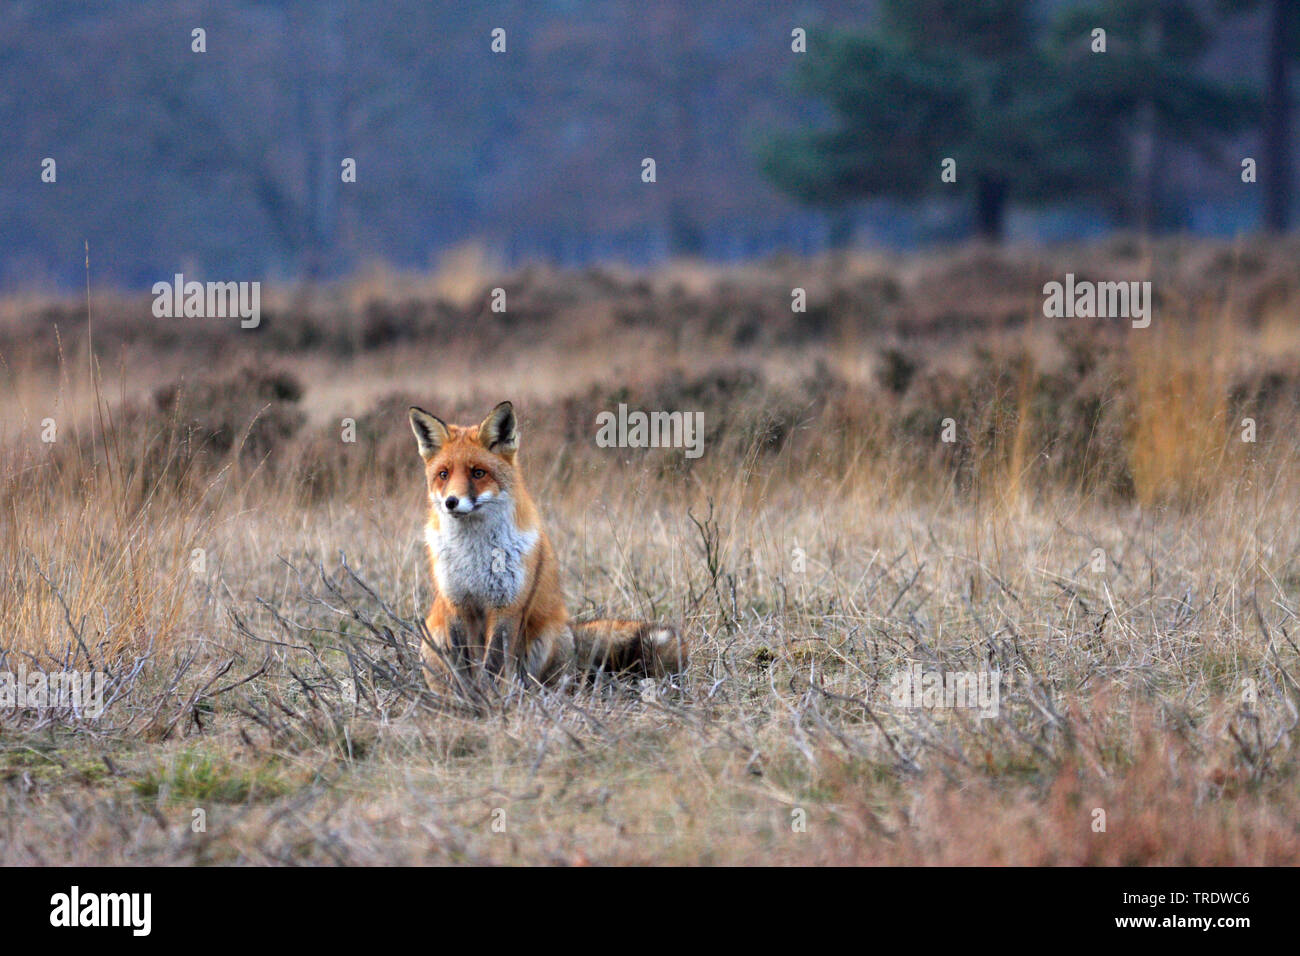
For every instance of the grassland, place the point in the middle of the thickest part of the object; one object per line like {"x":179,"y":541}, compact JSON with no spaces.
{"x":1098,"y":533}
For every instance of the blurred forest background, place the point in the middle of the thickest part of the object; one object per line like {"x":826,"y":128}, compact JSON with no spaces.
{"x":909,"y":462}
{"x":227,"y":163}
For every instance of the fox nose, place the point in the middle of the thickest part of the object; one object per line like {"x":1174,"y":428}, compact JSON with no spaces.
{"x":458,"y":506}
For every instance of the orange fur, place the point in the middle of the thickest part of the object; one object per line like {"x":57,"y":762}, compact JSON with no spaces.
{"x":499,"y":607}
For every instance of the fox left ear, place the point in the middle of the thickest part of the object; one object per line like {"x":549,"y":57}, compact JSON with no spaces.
{"x":499,"y":432}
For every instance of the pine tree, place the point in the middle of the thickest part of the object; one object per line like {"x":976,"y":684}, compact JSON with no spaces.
{"x":1029,"y":114}
{"x":1149,"y":77}
{"x":1282,"y":52}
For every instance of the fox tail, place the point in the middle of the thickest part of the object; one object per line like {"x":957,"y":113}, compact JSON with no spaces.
{"x":636,"y":647}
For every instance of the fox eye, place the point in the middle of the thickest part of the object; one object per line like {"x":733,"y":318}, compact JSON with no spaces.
{"x":442,"y":475}
{"x":478,"y":472}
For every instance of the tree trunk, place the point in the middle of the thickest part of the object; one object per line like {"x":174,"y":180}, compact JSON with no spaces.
{"x":685,"y":237}
{"x":990,"y":208}
{"x":1275,"y":161}
{"x":839,"y":233}
{"x":1146,"y":165}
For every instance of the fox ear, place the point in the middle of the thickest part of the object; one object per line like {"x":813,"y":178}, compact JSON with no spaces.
{"x":499,"y":432}
{"x":430,"y":432}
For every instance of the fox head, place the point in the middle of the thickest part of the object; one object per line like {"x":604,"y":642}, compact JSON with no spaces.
{"x":470,"y":469}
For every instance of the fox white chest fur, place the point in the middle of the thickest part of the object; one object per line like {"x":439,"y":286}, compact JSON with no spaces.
{"x":482,"y":558}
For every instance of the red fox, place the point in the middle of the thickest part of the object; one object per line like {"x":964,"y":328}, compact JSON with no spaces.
{"x":499,"y":607}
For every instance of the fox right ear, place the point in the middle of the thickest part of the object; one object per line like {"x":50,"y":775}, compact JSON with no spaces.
{"x":430,"y":432}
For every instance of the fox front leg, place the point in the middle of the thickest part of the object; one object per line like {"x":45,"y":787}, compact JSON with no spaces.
{"x":502,"y":653}
{"x":447,"y":655}
{"x":466,"y":639}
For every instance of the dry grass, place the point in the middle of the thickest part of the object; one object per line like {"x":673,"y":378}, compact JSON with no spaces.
{"x":251,"y":582}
